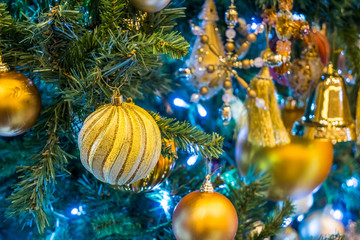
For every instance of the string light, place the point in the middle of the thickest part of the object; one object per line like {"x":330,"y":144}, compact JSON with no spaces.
{"x":300,"y":218}
{"x":77,"y":211}
{"x":202,"y":111}
{"x":352,"y":182}
{"x":287,"y":222}
{"x":337,"y":214}
{"x":192,"y":160}
{"x":181,"y":103}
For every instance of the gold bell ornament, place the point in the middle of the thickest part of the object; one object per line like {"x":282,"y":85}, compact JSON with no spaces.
{"x":266,"y":128}
{"x":205,"y":214}
{"x":151,"y":6}
{"x":120,"y":143}
{"x":203,"y":62}
{"x":327,"y":114}
{"x":20,"y":102}
{"x":161,"y":172}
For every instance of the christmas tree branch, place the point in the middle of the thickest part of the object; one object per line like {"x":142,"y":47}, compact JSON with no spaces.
{"x":190,"y":138}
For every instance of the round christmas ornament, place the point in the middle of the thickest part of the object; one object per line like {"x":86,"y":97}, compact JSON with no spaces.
{"x":288,"y":234}
{"x":150,"y":5}
{"x":205,"y":214}
{"x":304,"y":73}
{"x":161,"y":171}
{"x":295,"y":169}
{"x":20,"y":102}
{"x":120,"y":143}
{"x":320,"y":224}
{"x":303,"y":205}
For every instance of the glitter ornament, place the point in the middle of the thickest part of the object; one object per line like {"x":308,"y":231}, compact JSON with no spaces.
{"x":120,"y":143}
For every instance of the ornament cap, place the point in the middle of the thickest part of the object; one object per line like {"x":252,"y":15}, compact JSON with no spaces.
{"x":330,"y":68}
{"x":207,"y":186}
{"x":117,"y":100}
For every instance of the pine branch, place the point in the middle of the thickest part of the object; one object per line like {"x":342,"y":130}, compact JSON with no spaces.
{"x":189,"y":138}
{"x":32,"y":194}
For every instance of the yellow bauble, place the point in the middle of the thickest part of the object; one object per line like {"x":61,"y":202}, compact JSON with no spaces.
{"x":120,"y":143}
{"x":296,"y":169}
{"x":20,"y":104}
{"x":205,"y":215}
{"x":150,"y":5}
{"x":161,"y":171}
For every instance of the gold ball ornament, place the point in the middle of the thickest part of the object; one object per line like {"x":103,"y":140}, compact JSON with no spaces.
{"x":203,"y":215}
{"x":295,"y":169}
{"x":161,"y":171}
{"x":120,"y":143}
{"x":204,"y":91}
{"x":20,"y":103}
{"x":150,"y":5}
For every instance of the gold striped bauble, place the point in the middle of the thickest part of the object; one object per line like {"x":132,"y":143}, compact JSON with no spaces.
{"x":161,"y":171}
{"x":120,"y":143}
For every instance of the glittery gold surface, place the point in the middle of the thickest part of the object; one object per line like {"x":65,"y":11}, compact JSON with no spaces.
{"x":161,"y":171}
{"x":120,"y":144}
{"x":20,"y":104}
{"x":203,"y":216}
{"x":265,"y":125}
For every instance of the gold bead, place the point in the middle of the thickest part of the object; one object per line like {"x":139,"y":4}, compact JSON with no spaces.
{"x":204,"y":91}
{"x":228,"y":84}
{"x":230,"y":47}
{"x":210,"y":68}
{"x":251,"y":37}
{"x":246,"y":63}
{"x":204,"y":39}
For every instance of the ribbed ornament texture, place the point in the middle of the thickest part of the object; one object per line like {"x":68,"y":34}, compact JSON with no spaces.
{"x":119,"y":143}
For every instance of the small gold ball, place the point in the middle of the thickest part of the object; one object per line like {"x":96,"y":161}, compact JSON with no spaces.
{"x":229,"y":47}
{"x":204,"y":39}
{"x":246,"y":63}
{"x":227,"y":84}
{"x":251,"y":37}
{"x":204,"y":91}
{"x":210,"y":68}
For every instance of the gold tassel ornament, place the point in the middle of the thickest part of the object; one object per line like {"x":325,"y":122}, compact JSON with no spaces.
{"x":266,"y":128}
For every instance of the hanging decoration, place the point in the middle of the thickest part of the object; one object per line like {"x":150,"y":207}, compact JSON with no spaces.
{"x":205,"y":214}
{"x":286,"y":27}
{"x":212,"y":66}
{"x":266,"y":128}
{"x":319,"y":224}
{"x":20,"y":102}
{"x":304,"y":73}
{"x":295,"y":169}
{"x":288,"y":234}
{"x":327,"y":114}
{"x":120,"y":143}
{"x":150,"y":5}
{"x":161,"y":172}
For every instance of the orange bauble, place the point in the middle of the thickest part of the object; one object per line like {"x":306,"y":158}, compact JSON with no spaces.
{"x":20,"y":103}
{"x":295,"y":169}
{"x":203,"y":216}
